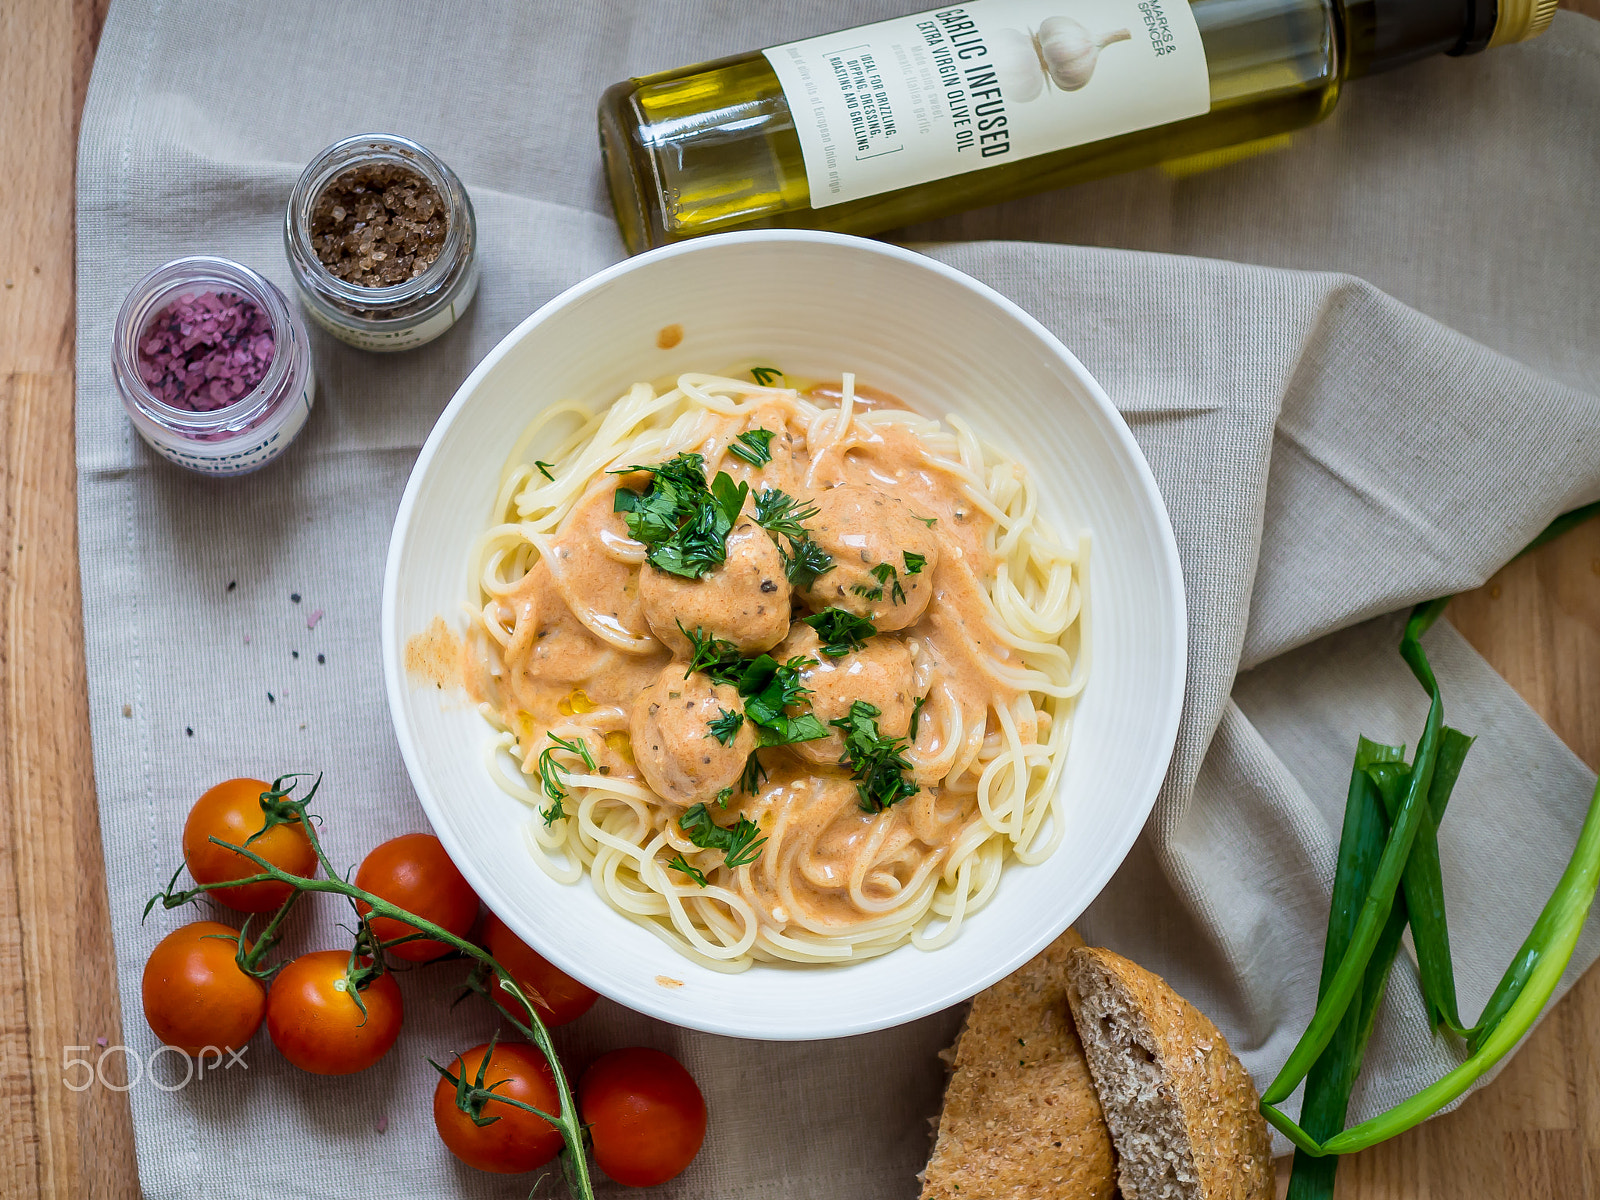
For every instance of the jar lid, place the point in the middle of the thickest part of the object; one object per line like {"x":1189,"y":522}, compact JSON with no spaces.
{"x":1520,"y":20}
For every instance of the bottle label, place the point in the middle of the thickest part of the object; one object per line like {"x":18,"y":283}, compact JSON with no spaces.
{"x":940,"y":93}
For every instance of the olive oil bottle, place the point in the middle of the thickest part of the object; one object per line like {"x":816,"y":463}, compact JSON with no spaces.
{"x":919,"y":116}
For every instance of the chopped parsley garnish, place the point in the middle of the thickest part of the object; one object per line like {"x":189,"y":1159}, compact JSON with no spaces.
{"x":914,"y":562}
{"x":874,"y":760}
{"x":713,"y":656}
{"x":740,"y":845}
{"x":754,"y":446}
{"x":771,"y":687}
{"x":928,"y":521}
{"x":726,"y":726}
{"x":765,"y":375}
{"x":840,"y":631}
{"x":544,"y":469}
{"x":780,"y":514}
{"x":678,"y":863}
{"x":683,"y":523}
{"x":724,"y":796}
{"x":867,"y":593}
{"x":916,"y":715}
{"x":553,"y":774}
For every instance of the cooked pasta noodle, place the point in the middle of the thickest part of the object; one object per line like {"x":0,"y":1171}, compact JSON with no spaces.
{"x":978,"y":652}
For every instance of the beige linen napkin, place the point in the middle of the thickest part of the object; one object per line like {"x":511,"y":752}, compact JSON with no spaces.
{"x":1329,"y":451}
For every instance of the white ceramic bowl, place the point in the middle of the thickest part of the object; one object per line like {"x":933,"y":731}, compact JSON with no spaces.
{"x":815,"y":304}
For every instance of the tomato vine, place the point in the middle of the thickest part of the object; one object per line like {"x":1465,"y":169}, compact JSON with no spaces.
{"x":279,"y":806}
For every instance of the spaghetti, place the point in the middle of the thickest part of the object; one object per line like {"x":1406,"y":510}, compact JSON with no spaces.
{"x":919,"y":686}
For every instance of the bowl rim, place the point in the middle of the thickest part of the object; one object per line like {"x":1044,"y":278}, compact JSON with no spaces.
{"x":1168,"y":714}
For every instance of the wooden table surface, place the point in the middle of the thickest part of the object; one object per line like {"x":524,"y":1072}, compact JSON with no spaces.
{"x":1534,"y":1134}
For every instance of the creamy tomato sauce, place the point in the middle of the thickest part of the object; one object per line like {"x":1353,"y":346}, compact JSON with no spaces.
{"x":596,"y":645}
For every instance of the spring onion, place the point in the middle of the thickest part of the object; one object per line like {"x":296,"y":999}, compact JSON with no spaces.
{"x":1388,"y":876}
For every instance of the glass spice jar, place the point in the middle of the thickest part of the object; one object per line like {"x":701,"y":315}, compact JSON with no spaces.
{"x":213,"y":365}
{"x":364,"y":207}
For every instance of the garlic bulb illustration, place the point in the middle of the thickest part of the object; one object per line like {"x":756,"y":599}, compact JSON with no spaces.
{"x":1017,"y":65}
{"x":1062,"y":52}
{"x":1069,"y":51}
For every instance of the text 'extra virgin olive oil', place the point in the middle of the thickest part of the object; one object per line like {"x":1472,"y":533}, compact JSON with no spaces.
{"x":915,"y":117}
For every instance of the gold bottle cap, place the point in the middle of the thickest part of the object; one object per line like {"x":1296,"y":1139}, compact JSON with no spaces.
{"x":1520,"y":20}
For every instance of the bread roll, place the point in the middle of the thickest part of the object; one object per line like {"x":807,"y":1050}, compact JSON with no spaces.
{"x":1182,"y":1110}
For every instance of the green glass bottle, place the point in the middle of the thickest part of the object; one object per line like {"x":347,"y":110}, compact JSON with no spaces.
{"x":917,"y":117}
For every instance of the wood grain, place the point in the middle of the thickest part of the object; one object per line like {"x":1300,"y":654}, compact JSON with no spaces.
{"x":1533,"y":1134}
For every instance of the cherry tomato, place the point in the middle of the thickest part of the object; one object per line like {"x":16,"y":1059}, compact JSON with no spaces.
{"x":518,"y":1141}
{"x":558,"y":997}
{"x":414,"y":872}
{"x":195,"y":996}
{"x":232,"y":811}
{"x":646,"y":1115}
{"x":314,"y":1020}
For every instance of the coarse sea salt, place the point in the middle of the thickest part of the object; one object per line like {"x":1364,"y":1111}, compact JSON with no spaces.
{"x":206,"y":351}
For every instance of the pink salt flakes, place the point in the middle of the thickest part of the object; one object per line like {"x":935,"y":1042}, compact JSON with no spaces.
{"x":206,"y":351}
{"x":313,"y":617}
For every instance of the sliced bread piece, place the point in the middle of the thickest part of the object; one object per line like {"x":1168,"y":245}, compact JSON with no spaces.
{"x":1020,"y":1118}
{"x":1182,"y":1109}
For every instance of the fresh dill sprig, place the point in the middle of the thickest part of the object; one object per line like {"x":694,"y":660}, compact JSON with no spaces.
{"x":725,"y":727}
{"x":765,"y":375}
{"x":553,"y":775}
{"x":740,"y":845}
{"x":874,"y":760}
{"x":804,"y":562}
{"x":712,"y":655}
{"x":841,"y":631}
{"x":678,"y":863}
{"x":544,"y":468}
{"x":779,"y":512}
{"x":916,"y":715}
{"x":754,"y":773}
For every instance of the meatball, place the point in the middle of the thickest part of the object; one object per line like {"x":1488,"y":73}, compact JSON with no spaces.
{"x":673,"y":745}
{"x":745,"y":600}
{"x":864,"y":528}
{"x":879,"y":673}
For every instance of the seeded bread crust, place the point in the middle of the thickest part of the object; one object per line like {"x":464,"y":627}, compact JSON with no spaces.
{"x":1020,"y":1118}
{"x":1182,"y":1110}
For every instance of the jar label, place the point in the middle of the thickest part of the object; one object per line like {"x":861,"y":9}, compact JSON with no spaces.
{"x":403,"y":336}
{"x":940,"y":93}
{"x":238,"y":455}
